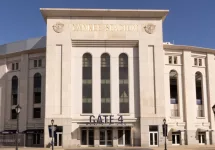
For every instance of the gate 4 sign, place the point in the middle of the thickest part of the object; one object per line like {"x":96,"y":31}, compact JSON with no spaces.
{"x":105,"y":119}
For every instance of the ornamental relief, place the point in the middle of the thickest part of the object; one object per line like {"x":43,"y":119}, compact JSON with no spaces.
{"x":58,"y":27}
{"x":149,"y":28}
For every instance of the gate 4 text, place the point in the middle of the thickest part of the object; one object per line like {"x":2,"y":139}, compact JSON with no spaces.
{"x":106,"y":119}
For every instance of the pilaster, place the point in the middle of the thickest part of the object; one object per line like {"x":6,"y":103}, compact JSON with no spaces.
{"x":23,"y":92}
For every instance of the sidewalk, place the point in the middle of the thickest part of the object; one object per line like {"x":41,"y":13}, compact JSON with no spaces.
{"x":197,"y":147}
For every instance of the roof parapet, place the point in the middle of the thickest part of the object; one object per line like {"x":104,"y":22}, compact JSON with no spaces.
{"x":123,"y":13}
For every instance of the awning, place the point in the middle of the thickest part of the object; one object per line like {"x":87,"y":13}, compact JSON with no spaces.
{"x":106,"y":125}
{"x":175,"y":130}
{"x":31,"y":131}
{"x":203,"y":130}
{"x":8,"y":132}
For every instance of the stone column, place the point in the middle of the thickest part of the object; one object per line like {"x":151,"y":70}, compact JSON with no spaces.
{"x":3,"y":92}
{"x":207,"y":138}
{"x":23,"y":92}
{"x":114,"y":85}
{"x":211,"y":95}
{"x":96,"y":137}
{"x":182,"y":138}
{"x":189,"y":94}
{"x":132,"y":137}
{"x":115,"y":137}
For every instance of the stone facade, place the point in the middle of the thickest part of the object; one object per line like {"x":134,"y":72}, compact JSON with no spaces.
{"x":71,"y":33}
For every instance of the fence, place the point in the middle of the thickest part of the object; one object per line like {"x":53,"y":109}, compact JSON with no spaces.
{"x":10,"y":140}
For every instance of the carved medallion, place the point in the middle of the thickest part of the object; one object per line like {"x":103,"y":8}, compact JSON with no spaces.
{"x":149,"y":28}
{"x":58,"y":27}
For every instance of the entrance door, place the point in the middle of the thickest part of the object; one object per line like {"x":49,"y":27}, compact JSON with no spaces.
{"x":201,"y":137}
{"x":106,"y":137}
{"x":87,"y":136}
{"x":176,"y":138}
{"x":124,"y":136}
{"x":153,"y":138}
{"x":58,"y":139}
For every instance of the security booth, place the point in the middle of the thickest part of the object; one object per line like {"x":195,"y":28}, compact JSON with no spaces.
{"x":34,"y":137}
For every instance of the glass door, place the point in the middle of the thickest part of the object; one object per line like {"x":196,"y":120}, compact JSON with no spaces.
{"x":120,"y":137}
{"x":106,"y":137}
{"x":153,"y":138}
{"x":87,"y":136}
{"x":124,"y":136}
{"x":127,"y":137}
{"x":176,"y":138}
{"x":90,"y":137}
{"x":58,"y":139}
{"x":109,"y":137}
{"x":102,"y":136}
{"x":201,"y":138}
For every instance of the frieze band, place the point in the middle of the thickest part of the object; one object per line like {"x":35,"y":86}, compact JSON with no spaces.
{"x":148,"y":28}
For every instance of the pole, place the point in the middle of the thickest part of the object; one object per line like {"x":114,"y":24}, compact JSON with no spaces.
{"x":17,"y":131}
{"x":52,"y":137}
{"x":165,"y":136}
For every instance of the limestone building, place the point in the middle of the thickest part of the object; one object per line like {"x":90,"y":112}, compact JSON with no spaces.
{"x":107,"y":78}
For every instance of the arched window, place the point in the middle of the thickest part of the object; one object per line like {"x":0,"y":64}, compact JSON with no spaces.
{"x":199,"y":100}
{"x":14,"y":90}
{"x":14,"y":95}
{"x":37,"y":87}
{"x":173,"y":79}
{"x":123,"y":83}
{"x":87,"y":83}
{"x":198,"y":77}
{"x":105,"y":83}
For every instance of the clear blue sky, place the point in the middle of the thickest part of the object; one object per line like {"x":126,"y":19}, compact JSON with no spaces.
{"x":189,"y":22}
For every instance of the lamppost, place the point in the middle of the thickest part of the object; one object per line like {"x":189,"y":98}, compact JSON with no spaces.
{"x":52,"y":121}
{"x":164,"y":132}
{"x":18,"y":109}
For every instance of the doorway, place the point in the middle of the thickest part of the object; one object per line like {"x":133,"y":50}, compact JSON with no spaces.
{"x":153,"y":135}
{"x":176,"y":138}
{"x":202,"y":138}
{"x":58,"y":139}
{"x":106,"y":137}
{"x":124,"y":136}
{"x":87,"y":136}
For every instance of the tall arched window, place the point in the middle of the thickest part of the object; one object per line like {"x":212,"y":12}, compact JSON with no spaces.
{"x":37,"y":87}
{"x":105,"y":83}
{"x":123,"y":83}
{"x":199,"y":100}
{"x":173,"y":80}
{"x":14,"y":90}
{"x":87,"y":83}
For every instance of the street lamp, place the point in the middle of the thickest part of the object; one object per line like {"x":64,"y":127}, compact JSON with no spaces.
{"x":213,"y":108}
{"x":164,"y":132}
{"x":52,"y":122}
{"x":18,"y":109}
